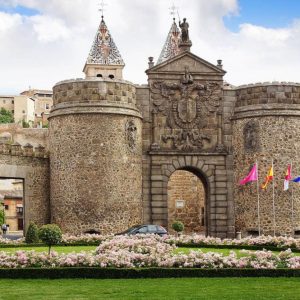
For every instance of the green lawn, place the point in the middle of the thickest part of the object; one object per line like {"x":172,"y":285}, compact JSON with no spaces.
{"x":160,"y":289}
{"x":226,"y":252}
{"x":59,"y":249}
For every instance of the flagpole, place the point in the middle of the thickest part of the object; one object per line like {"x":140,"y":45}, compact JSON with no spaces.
{"x":292,"y":206}
{"x":258,"y":210}
{"x":273,"y":202}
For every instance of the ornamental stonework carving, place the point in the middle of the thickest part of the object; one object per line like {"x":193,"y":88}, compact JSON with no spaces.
{"x":131,"y":135}
{"x":251,"y":136}
{"x":189,"y":109}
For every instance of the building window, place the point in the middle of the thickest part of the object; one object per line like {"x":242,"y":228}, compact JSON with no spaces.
{"x":47,"y":106}
{"x":4,"y":101}
{"x":6,"y":207}
{"x":12,"y":101}
{"x":12,"y":111}
{"x":19,"y":210}
{"x":23,"y":111}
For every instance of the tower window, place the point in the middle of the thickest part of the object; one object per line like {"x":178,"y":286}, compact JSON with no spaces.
{"x":99,"y":75}
{"x":111,"y":76}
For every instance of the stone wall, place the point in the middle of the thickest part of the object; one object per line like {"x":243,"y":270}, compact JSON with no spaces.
{"x":15,"y":133}
{"x":184,"y":110}
{"x":186,"y":202}
{"x":95,"y":157}
{"x":266,"y":129}
{"x":31,"y":165}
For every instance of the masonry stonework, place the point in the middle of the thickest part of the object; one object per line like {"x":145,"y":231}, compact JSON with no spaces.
{"x":265,"y":128}
{"x":114,"y":147}
{"x":95,"y":158}
{"x":32,"y":165}
{"x":186,"y":201}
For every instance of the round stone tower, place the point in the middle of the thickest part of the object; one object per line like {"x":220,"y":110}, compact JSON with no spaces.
{"x":266,"y":124}
{"x":96,"y":146}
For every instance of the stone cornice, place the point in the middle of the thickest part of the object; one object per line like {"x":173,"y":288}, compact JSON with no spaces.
{"x":94,"y":108}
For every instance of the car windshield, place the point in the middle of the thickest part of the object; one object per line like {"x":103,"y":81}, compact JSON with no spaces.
{"x":130,"y":229}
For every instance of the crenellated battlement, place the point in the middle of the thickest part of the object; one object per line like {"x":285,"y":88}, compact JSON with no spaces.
{"x":92,"y":90}
{"x":268,"y":93}
{"x":27,"y":150}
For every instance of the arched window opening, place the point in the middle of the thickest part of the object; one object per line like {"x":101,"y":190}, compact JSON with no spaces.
{"x":99,"y":75}
{"x":111,"y":76}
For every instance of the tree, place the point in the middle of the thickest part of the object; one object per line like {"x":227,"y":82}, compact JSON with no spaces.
{"x":32,"y":234}
{"x":50,"y":235}
{"x":6,"y":116}
{"x":178,"y":226}
{"x":2,"y":217}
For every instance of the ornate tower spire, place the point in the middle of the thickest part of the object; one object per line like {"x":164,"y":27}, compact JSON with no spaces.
{"x":104,"y":59}
{"x":171,"y":46}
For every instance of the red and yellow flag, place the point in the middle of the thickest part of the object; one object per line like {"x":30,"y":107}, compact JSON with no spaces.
{"x":268,"y":178}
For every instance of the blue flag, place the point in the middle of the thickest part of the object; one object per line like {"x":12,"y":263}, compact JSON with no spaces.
{"x":297,"y":179}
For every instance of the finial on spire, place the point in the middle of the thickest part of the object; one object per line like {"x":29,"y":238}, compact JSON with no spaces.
{"x":101,"y":9}
{"x":173,"y":9}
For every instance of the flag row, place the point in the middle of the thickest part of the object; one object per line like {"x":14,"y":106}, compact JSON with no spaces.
{"x":253,"y":176}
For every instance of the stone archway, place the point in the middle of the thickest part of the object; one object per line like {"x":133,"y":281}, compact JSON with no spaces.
{"x":187,"y":201}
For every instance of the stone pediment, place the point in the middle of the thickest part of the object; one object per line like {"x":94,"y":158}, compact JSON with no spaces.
{"x":194,"y":63}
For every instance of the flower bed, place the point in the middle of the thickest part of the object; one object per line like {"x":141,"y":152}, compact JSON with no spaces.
{"x":194,"y":240}
{"x":147,"y":252}
{"x":262,"y":241}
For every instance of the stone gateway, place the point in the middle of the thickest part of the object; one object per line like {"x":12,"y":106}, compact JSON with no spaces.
{"x":119,"y":154}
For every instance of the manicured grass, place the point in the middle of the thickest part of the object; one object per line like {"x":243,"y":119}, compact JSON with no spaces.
{"x":59,"y":249}
{"x":136,"y":289}
{"x":225,"y":252}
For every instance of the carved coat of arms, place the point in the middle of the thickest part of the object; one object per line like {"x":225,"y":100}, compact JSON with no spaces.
{"x":187,"y":107}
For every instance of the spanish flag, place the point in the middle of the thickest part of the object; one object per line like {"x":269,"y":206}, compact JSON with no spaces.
{"x":287,"y":178}
{"x":268,"y":178}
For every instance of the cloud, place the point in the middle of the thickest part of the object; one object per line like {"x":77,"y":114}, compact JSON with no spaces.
{"x":49,"y":29}
{"x":8,"y":21}
{"x":53,"y":45}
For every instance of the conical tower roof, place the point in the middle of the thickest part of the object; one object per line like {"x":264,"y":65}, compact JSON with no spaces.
{"x":171,"y":46}
{"x":104,"y":59}
{"x":104,"y":51}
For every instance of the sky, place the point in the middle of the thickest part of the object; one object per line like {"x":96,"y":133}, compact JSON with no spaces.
{"x":46,"y":41}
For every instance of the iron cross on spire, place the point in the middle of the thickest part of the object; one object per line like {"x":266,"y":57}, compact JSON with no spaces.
{"x":173,"y":9}
{"x":101,"y":9}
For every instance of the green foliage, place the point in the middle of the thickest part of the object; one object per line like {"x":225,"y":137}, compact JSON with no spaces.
{"x":178,"y":226}
{"x":50,"y":235}
{"x":25,"y":124}
{"x":46,"y":125}
{"x":32,"y":234}
{"x":6,"y":116}
{"x":2,"y":216}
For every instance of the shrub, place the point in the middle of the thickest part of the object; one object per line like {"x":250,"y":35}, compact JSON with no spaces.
{"x":2,"y":217}
{"x":32,"y":234}
{"x":50,"y":235}
{"x":178,"y":226}
{"x":6,"y":116}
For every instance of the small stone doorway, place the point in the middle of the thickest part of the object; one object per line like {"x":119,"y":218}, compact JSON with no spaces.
{"x":187,"y":202}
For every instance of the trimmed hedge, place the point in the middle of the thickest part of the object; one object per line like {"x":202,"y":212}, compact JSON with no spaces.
{"x":114,"y":273}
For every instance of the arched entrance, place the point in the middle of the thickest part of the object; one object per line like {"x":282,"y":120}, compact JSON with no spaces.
{"x":187,"y":201}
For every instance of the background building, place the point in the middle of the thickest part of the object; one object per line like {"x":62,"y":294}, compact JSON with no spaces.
{"x":31,"y":107}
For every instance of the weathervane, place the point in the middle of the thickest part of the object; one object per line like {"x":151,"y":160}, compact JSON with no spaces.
{"x":102,"y":5}
{"x":173,"y":9}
